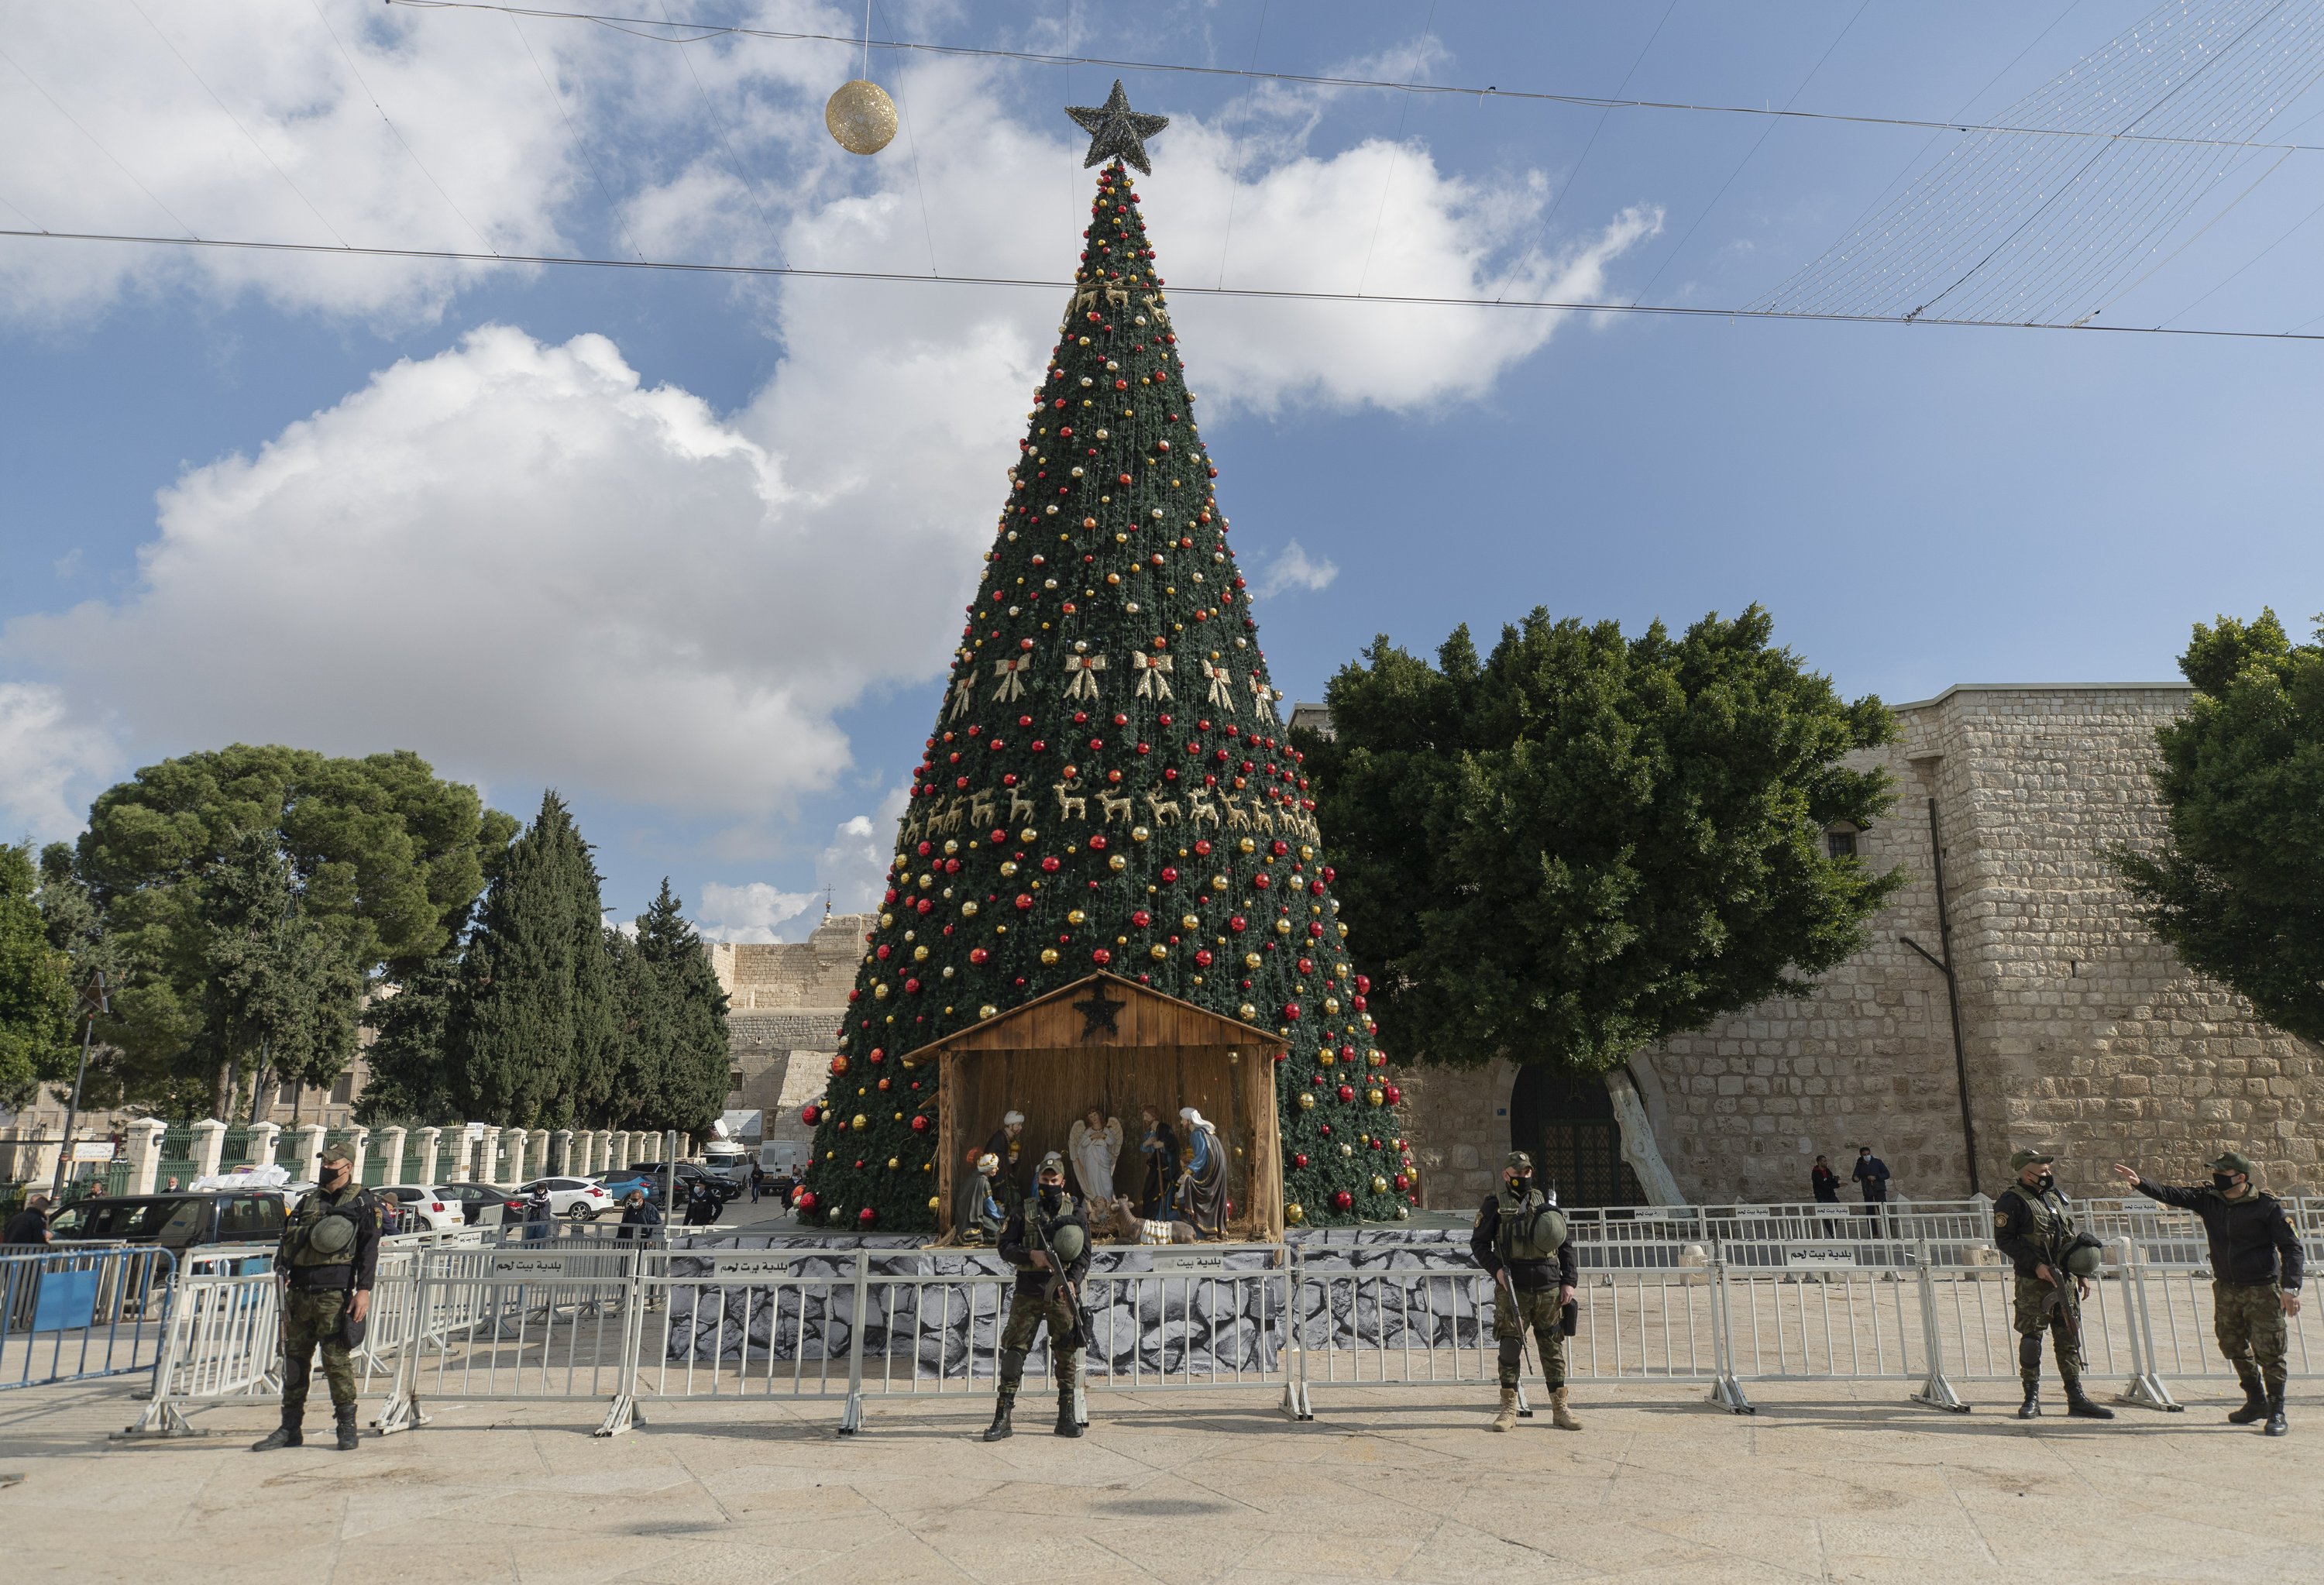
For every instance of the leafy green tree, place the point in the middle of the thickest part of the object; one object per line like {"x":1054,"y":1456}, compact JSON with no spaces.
{"x":673,"y":1066}
{"x":408,"y":1058}
{"x":280,"y":994}
{"x":387,"y":860}
{"x":36,"y":988}
{"x":2237,"y":884}
{"x":1583,"y":843}
{"x":1109,"y":785}
{"x":533,"y":1034}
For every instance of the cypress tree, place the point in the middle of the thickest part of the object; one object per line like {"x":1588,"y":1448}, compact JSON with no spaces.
{"x":677,"y":1019}
{"x":532,"y":1025}
{"x":1110,"y":786}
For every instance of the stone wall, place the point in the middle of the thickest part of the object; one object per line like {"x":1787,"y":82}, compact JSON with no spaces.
{"x":785,"y":1000}
{"x":2081,"y":1031}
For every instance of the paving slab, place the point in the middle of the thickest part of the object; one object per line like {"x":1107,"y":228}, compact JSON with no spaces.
{"x":1840,"y":1483}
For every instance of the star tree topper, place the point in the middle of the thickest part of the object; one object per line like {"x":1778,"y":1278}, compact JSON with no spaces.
{"x":1115,"y":129}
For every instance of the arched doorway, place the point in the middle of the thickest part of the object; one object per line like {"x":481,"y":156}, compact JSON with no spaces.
{"x":1566,"y":1120}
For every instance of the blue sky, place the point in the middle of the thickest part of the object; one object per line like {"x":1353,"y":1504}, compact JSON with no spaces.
{"x":690,"y":551}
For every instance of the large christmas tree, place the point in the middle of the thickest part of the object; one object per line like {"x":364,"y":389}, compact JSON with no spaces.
{"x":1110,"y":786}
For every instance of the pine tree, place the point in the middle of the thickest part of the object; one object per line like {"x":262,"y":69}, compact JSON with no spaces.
{"x":673,"y":1071}
{"x":409,"y":1059}
{"x":1110,"y":787}
{"x":531,"y":1028}
{"x":36,"y":991}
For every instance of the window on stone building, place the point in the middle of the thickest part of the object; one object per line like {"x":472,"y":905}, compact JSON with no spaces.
{"x":343,"y":1089}
{"x":1839,"y":842}
{"x":286,"y":1095}
{"x":734,"y":1082}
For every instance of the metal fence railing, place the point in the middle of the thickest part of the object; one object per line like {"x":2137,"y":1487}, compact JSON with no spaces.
{"x":67,"y":1314}
{"x":577,"y":1313}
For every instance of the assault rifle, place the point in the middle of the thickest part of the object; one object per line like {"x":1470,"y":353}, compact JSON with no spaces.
{"x":1039,"y":1237}
{"x":2065,"y":1297}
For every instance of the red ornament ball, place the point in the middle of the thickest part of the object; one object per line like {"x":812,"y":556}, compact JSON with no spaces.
{"x":839,"y":1064}
{"x":920,"y":1123}
{"x":1102,"y":956}
{"x":1342,"y":1201}
{"x":866,"y":1217}
{"x":1347,"y":1091}
{"x":1300,"y":1159}
{"x":1392,"y":1094}
{"x":810,"y":1113}
{"x":803,"y":1202}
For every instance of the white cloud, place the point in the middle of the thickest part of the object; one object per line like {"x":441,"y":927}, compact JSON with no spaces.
{"x":752,"y":912}
{"x":49,"y":765}
{"x":516,"y":559}
{"x":1293,"y":568}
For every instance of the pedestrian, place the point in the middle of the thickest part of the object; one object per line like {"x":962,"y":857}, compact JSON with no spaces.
{"x":1048,"y":1240}
{"x":1824,"y":1184}
{"x":538,"y":1214}
{"x":2257,"y":1266}
{"x":325,"y":1260}
{"x":2053,"y":1260}
{"x":1520,"y":1238}
{"x":28,"y":1226}
{"x":1873,"y":1174}
{"x":640,"y":1216}
{"x":174,"y":1182}
{"x":758,"y":1180}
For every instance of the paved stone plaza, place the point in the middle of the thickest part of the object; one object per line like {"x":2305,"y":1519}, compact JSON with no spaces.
{"x":1184,"y":1490}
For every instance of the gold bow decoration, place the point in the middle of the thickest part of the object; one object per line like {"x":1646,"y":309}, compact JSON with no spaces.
{"x":960,"y":691}
{"x":1083,"y":670}
{"x":1012,"y":675}
{"x":1221,"y":682}
{"x":1153,"y":674}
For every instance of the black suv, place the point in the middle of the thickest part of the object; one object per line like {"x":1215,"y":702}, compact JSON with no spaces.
{"x":178,"y":1221}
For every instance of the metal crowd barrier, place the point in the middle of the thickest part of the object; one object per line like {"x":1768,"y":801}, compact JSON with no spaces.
{"x":1666,"y":1296}
{"x":68,"y":1314}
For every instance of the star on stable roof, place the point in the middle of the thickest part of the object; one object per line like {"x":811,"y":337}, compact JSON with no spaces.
{"x":1117,"y":130}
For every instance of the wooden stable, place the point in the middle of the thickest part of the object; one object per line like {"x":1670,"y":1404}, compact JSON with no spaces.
{"x":1113,"y":1044}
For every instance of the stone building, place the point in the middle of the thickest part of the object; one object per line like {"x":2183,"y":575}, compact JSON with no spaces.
{"x":785,"y":1000}
{"x":2078,"y":1029}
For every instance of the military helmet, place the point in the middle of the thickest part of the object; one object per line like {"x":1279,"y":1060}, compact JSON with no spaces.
{"x":331,"y":1235}
{"x":1069,"y":1242}
{"x":2020,"y":1160}
{"x":2083,"y":1259}
{"x":1518,"y":1161}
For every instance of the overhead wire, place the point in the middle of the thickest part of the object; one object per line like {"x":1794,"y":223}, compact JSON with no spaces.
{"x":1369,"y":299}
{"x":96,"y":143}
{"x":696,"y":31}
{"x":410,"y":153}
{"x":579,"y":144}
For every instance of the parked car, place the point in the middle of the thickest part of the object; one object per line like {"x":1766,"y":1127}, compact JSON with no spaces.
{"x":178,"y":1222}
{"x":482,"y":1204}
{"x":425,"y":1209}
{"x":647,"y":1176}
{"x":577,"y":1199}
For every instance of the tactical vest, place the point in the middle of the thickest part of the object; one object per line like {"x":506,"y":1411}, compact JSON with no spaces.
{"x":2051,"y":1224}
{"x":1531,"y":1229}
{"x":311,"y":1212}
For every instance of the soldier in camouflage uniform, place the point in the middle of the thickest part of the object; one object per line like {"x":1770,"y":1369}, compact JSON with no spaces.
{"x":325,"y":1260}
{"x":2257,"y":1266}
{"x":2033,"y":1226}
{"x":1046,"y":1238}
{"x":1520,"y":1238}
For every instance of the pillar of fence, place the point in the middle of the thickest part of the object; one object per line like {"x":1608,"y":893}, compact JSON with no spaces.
{"x":310,"y":1151}
{"x":391,"y":1153}
{"x":463,"y":1169}
{"x":585,"y":1153}
{"x":425,"y":1142}
{"x":358,"y":1140}
{"x":525,"y":1157}
{"x":209,"y":1139}
{"x":144,"y":1148}
{"x":560,"y":1154}
{"x":485,"y":1165}
{"x":259,"y":1140}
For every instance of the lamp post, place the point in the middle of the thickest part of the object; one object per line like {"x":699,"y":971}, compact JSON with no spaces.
{"x":93,"y":1005}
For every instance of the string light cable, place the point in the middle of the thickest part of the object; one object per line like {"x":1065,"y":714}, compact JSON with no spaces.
{"x":1367,"y":299}
{"x":663,"y":32}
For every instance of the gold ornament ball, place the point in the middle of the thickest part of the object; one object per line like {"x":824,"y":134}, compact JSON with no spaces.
{"x":1306,"y":1101}
{"x":1379,"y":1184}
{"x":861,"y":117}
{"x":1048,"y":954}
{"x":859,"y":1121}
{"x":1295,"y":1213}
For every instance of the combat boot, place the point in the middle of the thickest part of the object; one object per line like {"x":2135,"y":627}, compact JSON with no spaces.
{"x":2276,"y":1421}
{"x":344,"y":1416}
{"x":286,"y":1434}
{"x":2254,"y":1404}
{"x":1066,"y":1424}
{"x":1559,"y":1414}
{"x":1000,"y":1429}
{"x":2031,"y":1409}
{"x":1506,"y":1420}
{"x":2079,"y":1407}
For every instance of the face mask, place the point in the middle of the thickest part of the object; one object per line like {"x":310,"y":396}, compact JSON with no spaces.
{"x":2046,"y":1181}
{"x":1051,"y":1193}
{"x":2225,"y":1182}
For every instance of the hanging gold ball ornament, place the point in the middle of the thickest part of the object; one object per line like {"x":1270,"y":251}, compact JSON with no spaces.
{"x":1295,"y":1213}
{"x":861,"y":117}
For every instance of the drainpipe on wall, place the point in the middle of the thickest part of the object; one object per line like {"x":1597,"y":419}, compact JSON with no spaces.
{"x":1944,"y":966}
